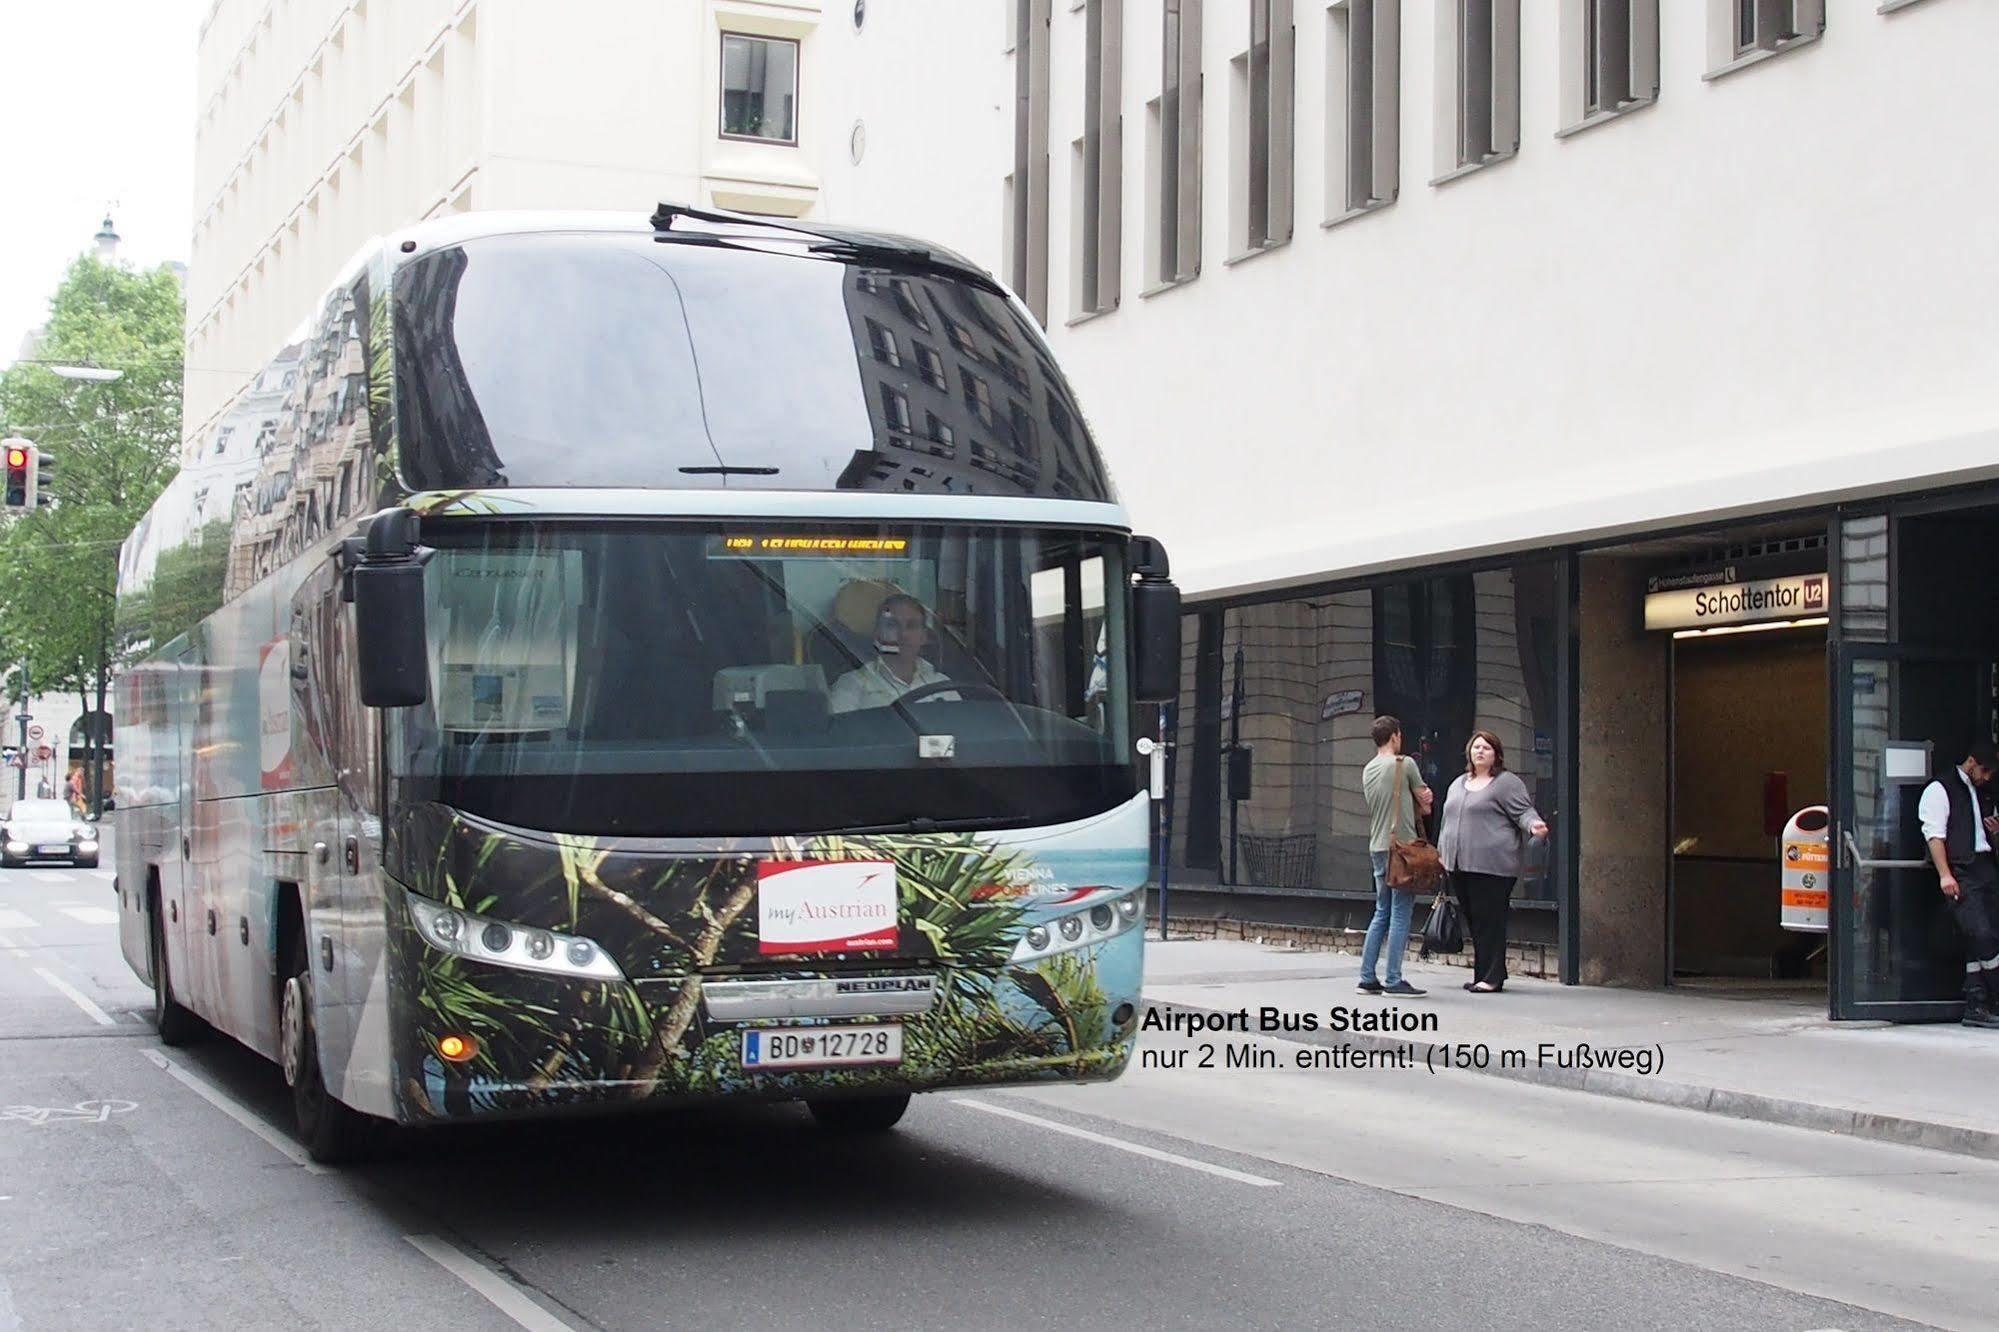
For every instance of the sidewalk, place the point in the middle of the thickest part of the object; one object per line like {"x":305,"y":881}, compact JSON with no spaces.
{"x":1778,"y":1060}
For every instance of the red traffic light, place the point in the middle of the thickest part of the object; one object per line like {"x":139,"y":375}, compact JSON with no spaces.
{"x":17,"y":457}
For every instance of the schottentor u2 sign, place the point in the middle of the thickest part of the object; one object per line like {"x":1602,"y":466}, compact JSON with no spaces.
{"x":1714,"y":597}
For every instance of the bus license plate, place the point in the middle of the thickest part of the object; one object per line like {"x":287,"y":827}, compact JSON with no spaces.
{"x":820,"y":1047}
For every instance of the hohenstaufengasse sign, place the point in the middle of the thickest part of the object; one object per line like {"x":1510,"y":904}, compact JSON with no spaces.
{"x":1732,"y":594}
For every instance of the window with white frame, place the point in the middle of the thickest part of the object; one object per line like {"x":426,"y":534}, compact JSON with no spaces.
{"x":1610,"y":58}
{"x":1097,"y":177}
{"x":1025,"y":229}
{"x":1262,"y":81}
{"x":759,"y":88}
{"x":1173,"y":150}
{"x":1743,"y":31}
{"x":1478,"y":84}
{"x":1363,"y":106}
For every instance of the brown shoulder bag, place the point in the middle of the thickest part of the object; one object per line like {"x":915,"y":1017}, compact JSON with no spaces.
{"x":1413,"y":866}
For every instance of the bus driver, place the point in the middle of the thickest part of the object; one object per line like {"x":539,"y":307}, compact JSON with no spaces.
{"x":902,"y":629}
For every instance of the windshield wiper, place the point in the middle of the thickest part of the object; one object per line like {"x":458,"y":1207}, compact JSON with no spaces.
{"x":725,"y":469}
{"x":919,"y":824}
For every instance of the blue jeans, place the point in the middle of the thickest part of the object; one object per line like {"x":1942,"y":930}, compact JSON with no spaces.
{"x":1391,"y":921}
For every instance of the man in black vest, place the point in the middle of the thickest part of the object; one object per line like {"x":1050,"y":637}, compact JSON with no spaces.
{"x":1960,"y":827}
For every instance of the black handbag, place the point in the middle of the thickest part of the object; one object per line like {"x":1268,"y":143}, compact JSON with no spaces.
{"x":1444,"y":931}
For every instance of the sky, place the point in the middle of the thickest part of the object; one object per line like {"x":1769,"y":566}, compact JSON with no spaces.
{"x":96,"y":112}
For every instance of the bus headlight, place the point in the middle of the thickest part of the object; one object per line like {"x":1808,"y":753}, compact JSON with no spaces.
{"x":501,"y":944}
{"x":1082,"y":928}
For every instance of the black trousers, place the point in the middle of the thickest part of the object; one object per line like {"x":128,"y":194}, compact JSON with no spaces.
{"x":1485,"y":898}
{"x":1977,"y":911}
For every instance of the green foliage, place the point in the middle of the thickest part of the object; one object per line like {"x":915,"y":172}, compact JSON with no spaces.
{"x":941,"y":878}
{"x":187,"y":582}
{"x":113,"y":447}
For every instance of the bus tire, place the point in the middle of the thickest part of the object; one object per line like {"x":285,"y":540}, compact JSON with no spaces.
{"x":176,"y":1025}
{"x":859,"y":1114}
{"x":332,"y":1133}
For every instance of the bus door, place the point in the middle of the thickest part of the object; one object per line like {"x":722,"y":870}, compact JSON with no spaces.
{"x":325,"y":721}
{"x":173,"y":850}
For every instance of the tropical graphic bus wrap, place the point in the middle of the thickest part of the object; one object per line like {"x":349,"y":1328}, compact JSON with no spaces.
{"x":671,"y":917}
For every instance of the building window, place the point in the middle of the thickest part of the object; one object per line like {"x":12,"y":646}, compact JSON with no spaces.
{"x":1010,"y":370}
{"x":1742,"y":32}
{"x":1027,"y":188}
{"x":937,"y":431}
{"x":905,"y":301}
{"x":1478,"y":85}
{"x":961,"y":337}
{"x":882,"y":342}
{"x":1261,"y":84}
{"x":1098,"y":159}
{"x":979,"y":397}
{"x":1300,"y":681}
{"x":895,"y":409}
{"x":931,"y":366}
{"x":1610,"y":58}
{"x":759,"y":88}
{"x":1173,"y":151}
{"x":1363,"y":106}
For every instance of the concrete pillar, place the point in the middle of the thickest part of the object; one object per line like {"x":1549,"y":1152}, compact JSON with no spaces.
{"x":1621,"y":780}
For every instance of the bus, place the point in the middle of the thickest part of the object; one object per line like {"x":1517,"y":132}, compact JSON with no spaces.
{"x":610,"y":661}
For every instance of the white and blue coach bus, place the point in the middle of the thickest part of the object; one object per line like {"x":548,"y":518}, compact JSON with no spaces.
{"x":645,"y":660}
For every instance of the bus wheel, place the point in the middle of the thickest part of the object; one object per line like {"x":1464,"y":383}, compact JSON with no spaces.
{"x":861,"y":1114}
{"x":175,"y":1024}
{"x":332,"y":1133}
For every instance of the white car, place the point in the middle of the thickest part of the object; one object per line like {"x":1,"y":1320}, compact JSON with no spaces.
{"x":46,"y":830}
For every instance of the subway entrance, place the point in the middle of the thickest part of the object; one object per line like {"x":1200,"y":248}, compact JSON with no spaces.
{"x":1749,"y":743}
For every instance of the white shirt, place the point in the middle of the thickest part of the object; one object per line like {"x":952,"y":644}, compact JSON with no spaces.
{"x":1934,"y":810}
{"x":876,"y":686}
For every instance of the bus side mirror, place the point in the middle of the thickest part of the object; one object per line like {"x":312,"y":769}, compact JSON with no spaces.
{"x":1155,"y":620}
{"x":390,"y":653}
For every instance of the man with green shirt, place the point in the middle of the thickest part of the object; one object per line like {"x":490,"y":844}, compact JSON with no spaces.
{"x":1396,"y":796}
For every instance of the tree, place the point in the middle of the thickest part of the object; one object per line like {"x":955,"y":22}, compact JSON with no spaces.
{"x":113,"y":446}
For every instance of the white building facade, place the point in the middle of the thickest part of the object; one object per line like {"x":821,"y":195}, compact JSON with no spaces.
{"x":1431,"y":336}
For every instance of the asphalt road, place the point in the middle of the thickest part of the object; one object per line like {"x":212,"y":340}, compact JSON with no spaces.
{"x":144,"y":1188}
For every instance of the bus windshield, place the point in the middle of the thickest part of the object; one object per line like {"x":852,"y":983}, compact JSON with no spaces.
{"x":675,"y":679}
{"x":599,"y":359}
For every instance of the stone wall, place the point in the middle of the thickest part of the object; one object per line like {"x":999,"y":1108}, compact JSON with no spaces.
{"x":1621,"y":780}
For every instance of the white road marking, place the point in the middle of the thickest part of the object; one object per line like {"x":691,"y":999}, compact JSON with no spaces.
{"x":497,"y":1290}
{"x":77,"y":997}
{"x":1134,"y":1148}
{"x":50,"y":876}
{"x":17,"y":920}
{"x":228,"y":1105}
{"x":89,"y":915}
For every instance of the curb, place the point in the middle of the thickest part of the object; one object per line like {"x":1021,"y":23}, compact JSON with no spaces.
{"x":1897,"y":1129}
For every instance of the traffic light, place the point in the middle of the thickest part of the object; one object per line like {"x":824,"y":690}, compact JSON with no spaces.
{"x":20,"y":492}
{"x":45,"y":479}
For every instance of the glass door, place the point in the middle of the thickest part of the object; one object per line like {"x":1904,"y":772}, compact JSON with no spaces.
{"x":1900,"y":716}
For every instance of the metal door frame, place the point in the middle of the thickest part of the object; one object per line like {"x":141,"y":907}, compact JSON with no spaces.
{"x":1846,"y":857}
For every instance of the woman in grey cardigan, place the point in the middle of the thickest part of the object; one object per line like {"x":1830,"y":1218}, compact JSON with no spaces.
{"x":1486,"y":816}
